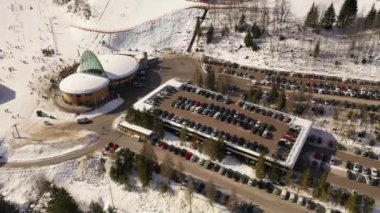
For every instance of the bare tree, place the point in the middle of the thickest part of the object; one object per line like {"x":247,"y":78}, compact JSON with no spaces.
{"x":190,"y":191}
{"x":210,"y":192}
{"x":167,"y":166}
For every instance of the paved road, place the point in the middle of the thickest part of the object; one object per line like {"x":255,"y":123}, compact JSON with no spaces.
{"x":367,"y":162}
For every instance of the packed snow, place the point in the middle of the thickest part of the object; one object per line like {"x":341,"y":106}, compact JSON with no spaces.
{"x":28,"y":150}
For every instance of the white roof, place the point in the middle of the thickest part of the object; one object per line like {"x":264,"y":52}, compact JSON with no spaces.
{"x":118,"y":66}
{"x":141,"y":105}
{"x":81,"y":83}
{"x":136,"y":128}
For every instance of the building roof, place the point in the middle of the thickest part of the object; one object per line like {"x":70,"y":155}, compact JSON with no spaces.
{"x":90,"y":64}
{"x":118,"y":66}
{"x":136,"y":128}
{"x":81,"y":83}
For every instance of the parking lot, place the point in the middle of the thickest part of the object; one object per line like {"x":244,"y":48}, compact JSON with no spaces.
{"x":298,"y":81}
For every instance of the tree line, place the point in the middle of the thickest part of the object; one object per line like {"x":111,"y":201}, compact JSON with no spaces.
{"x":316,"y":18}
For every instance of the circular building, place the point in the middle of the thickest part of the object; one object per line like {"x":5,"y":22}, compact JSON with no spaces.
{"x":119,"y":68}
{"x":90,"y":86}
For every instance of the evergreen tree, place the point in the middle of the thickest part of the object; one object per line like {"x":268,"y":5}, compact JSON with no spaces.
{"x":377,"y":22}
{"x":281,"y":101}
{"x":61,"y":201}
{"x":248,"y":40}
{"x":318,"y":191}
{"x":143,"y":163}
{"x":240,"y":28}
{"x":288,"y":178}
{"x":210,"y":192}
{"x":256,"y":31}
{"x":348,"y":13}
{"x":273,"y":94}
{"x":328,"y":18}
{"x":220,"y":147}
{"x":211,"y":80}
{"x":260,"y":167}
{"x":95,"y":208}
{"x":210,"y":34}
{"x":7,"y":207}
{"x":225,"y":31}
{"x":305,"y":180}
{"x":312,"y":17}
{"x":317,"y":49}
{"x":167,"y":166}
{"x":183,"y":136}
{"x":370,"y":19}
{"x":352,"y":203}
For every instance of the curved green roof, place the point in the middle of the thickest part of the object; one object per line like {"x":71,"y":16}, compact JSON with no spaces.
{"x":90,"y":64}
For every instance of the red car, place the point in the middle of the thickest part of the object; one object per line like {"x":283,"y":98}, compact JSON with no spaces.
{"x":331,"y":144}
{"x":196,"y":103}
{"x":317,"y":155}
{"x":188,"y":155}
{"x":163,"y":145}
{"x":288,"y":137}
{"x":293,"y":134}
{"x":113,"y":148}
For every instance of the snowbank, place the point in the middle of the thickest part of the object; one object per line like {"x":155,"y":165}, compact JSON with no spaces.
{"x":106,"y":108}
{"x":47,"y":149}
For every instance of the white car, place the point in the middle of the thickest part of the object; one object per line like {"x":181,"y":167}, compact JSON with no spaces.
{"x":373,"y":172}
{"x":284,"y":194}
{"x":332,"y":160}
{"x":301,"y":200}
{"x":356,"y":167}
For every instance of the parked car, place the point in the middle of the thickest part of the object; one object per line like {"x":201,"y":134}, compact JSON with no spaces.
{"x":356,"y":167}
{"x":84,"y":120}
{"x":293,"y":197}
{"x":301,"y":200}
{"x":374,"y":172}
{"x":284,"y":194}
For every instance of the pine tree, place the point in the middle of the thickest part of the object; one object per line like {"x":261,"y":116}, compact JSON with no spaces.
{"x":281,"y":101}
{"x":6,"y":206}
{"x":370,"y":19}
{"x":210,"y":192}
{"x":305,"y":180}
{"x":329,"y":18}
{"x":182,"y":136}
{"x":61,"y":201}
{"x":210,"y":34}
{"x":256,"y":31}
{"x":211,"y":80}
{"x":312,"y":17}
{"x":260,"y":167}
{"x":96,"y":208}
{"x":352,"y":203}
{"x":221,"y":152}
{"x":317,"y":50}
{"x":318,"y":191}
{"x":273,"y":94}
{"x":377,"y":22}
{"x":248,"y":40}
{"x":347,"y":13}
{"x":241,"y":26}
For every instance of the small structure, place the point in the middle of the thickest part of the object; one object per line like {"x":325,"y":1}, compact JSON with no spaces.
{"x":134,"y":130}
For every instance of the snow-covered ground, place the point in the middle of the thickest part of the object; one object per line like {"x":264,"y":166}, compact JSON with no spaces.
{"x":29,"y":150}
{"x":85,"y":180}
{"x":295,"y":53}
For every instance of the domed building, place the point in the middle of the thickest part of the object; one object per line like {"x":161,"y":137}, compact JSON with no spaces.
{"x":90,"y":85}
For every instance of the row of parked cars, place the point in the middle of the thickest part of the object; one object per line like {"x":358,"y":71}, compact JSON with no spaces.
{"x":268,"y":186}
{"x":164,"y":92}
{"x":199,"y":127}
{"x":321,"y":87}
{"x":225,"y":115}
{"x":227,"y":64}
{"x":263,"y":111}
{"x":345,"y":104}
{"x":205,"y":93}
{"x":370,"y":176}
